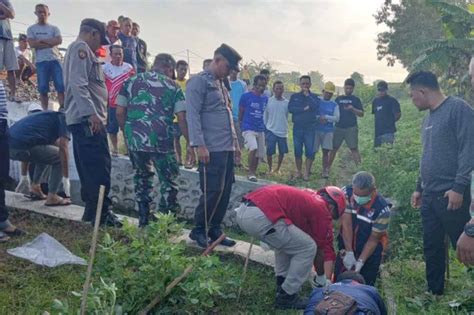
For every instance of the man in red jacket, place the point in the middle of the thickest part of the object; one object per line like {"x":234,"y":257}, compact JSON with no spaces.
{"x":294,"y":222}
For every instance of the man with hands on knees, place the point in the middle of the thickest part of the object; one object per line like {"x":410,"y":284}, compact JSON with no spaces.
{"x":42,"y":138}
{"x":443,"y":188}
{"x":363,"y":225}
{"x":212,"y":134}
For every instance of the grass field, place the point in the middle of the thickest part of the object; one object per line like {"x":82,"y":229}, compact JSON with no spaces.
{"x":29,"y":289}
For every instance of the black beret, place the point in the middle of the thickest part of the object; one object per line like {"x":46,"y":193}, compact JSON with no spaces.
{"x":99,"y":26}
{"x":231,"y":55}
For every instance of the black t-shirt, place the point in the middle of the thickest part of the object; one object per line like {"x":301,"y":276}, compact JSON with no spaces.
{"x":347,"y":118}
{"x":38,"y":129}
{"x":385,"y":109}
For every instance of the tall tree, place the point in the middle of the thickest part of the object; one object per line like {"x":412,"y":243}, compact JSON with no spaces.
{"x":358,"y":78}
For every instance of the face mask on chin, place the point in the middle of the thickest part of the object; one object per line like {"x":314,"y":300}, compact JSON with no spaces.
{"x":362,"y":200}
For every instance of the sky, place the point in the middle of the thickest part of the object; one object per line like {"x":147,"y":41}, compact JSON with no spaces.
{"x":334,"y":37}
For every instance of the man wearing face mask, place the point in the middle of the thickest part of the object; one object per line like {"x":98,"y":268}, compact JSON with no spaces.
{"x":363,"y":226}
{"x":297,"y":224}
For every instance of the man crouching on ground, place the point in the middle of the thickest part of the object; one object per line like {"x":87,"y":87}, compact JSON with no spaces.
{"x":294,"y":222}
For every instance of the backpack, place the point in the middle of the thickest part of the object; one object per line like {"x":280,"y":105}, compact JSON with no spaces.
{"x":336,"y":303}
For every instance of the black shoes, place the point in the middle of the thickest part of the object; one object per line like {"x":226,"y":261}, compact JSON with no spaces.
{"x":143,"y":213}
{"x":215,"y":234}
{"x":199,"y":237}
{"x":285,"y":301}
{"x":279,"y":282}
{"x":110,"y":219}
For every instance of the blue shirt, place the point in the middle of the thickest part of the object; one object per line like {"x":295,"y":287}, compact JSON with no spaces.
{"x":326,"y":108}
{"x":238,"y":88}
{"x":366,"y":297}
{"x":254,"y":106}
{"x":42,"y":128}
{"x":129,"y":44}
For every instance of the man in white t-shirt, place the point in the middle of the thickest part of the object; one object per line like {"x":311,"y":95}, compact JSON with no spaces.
{"x":25,"y":58}
{"x":116,"y":72}
{"x":112,"y":30}
{"x":275,"y":118}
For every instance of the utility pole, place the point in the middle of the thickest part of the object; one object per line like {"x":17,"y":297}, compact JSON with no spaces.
{"x":189,"y":65}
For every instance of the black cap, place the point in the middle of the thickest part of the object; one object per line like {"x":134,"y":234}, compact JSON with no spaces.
{"x":99,"y":26}
{"x":382,"y":86}
{"x":231,"y":55}
{"x":22,"y":37}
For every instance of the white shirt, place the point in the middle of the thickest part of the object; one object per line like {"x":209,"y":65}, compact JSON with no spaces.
{"x":275,"y":116}
{"x":27,"y":53}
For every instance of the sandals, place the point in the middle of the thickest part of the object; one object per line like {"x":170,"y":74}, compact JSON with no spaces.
{"x":61,"y":203}
{"x":34,"y":196}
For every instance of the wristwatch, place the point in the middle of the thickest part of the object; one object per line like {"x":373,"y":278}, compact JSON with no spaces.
{"x":469,"y":229}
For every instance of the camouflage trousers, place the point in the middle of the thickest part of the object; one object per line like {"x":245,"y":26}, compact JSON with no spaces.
{"x":166,"y":166}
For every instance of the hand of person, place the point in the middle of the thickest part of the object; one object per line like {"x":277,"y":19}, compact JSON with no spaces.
{"x":349,"y":107}
{"x":322,"y":120}
{"x":237,"y":156}
{"x":465,"y":249}
{"x":203,"y":154}
{"x":23,"y":186}
{"x":416,"y":200}
{"x":359,"y":264}
{"x":96,"y":123}
{"x":191,"y":157}
{"x":349,"y":260}
{"x":66,"y":186}
{"x":454,"y":199}
{"x":319,"y":281}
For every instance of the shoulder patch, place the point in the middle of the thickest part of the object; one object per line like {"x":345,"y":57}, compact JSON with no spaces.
{"x":82,"y":53}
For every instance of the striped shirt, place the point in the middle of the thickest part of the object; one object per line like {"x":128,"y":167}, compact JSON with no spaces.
{"x":115,"y":76}
{"x":3,"y":102}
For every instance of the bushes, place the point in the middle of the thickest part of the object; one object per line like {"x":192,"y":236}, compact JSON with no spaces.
{"x":139,"y":265}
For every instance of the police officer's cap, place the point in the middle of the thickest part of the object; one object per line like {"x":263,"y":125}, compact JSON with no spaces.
{"x":232,"y":56}
{"x":99,"y":26}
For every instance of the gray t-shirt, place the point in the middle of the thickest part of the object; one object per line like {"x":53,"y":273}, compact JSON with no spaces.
{"x":47,"y":31}
{"x":5,"y":28}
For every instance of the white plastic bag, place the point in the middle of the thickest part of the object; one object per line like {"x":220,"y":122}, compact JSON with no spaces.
{"x":45,"y":250}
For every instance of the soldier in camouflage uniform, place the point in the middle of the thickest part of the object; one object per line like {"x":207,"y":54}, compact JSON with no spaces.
{"x":146,"y":106}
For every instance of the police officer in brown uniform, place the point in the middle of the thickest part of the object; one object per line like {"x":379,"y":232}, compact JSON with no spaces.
{"x":86,"y":108}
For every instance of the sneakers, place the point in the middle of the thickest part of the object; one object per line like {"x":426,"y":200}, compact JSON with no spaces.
{"x":199,"y":237}
{"x":285,"y":301}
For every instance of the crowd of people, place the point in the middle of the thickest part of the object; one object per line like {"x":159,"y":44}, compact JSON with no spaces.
{"x":105,"y":85}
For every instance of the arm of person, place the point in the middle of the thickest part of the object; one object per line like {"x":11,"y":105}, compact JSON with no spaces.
{"x":335,"y":117}
{"x":379,"y":228}
{"x":293,"y":106}
{"x":37,"y":44}
{"x":195,"y":94}
{"x":51,"y":42}
{"x":397,"y":111}
{"x":27,"y":62}
{"x":24,"y":168}
{"x":8,"y":11}
{"x":358,"y":110}
{"x":122,"y":103}
{"x":78,"y":83}
{"x":64,"y":155}
{"x":265,"y":116}
{"x":465,"y":143}
{"x":241,"y":113}
{"x":346,"y":230}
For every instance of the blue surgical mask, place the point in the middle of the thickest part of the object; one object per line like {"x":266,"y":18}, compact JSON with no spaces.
{"x":362,"y":200}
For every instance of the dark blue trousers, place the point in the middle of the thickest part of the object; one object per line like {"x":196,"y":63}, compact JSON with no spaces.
{"x":93,"y":163}
{"x":219,"y":179}
{"x":438,"y":221}
{"x":4,"y":167}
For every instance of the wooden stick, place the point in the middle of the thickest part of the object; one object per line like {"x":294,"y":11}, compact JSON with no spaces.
{"x":244,"y":272}
{"x":177,"y":280}
{"x":92,"y":250}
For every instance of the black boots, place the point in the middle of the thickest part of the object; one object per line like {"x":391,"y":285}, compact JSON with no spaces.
{"x":279,"y":282}
{"x":143,"y":213}
{"x":199,"y":236}
{"x":285,"y":301}
{"x":214,"y":234}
